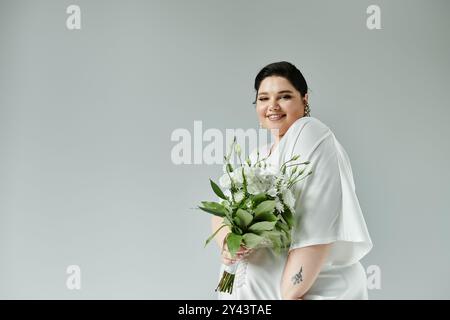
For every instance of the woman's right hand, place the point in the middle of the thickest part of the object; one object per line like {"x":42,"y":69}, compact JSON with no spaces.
{"x":240,"y":254}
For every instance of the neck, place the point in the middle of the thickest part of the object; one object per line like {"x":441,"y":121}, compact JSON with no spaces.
{"x":277,"y":139}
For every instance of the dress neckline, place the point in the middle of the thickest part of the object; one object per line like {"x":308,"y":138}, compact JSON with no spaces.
{"x":269,"y":153}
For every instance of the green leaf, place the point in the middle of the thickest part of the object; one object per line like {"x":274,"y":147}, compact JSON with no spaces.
{"x":213,"y":235}
{"x":266,"y":216}
{"x":245,"y":218}
{"x":283,"y":226}
{"x":235,"y":229}
{"x":265,"y":207}
{"x":227,"y":221}
{"x":244,"y":180}
{"x":214,"y":208}
{"x":271,"y":233}
{"x":274,"y":236}
{"x":247,"y":203}
{"x":285,"y":238}
{"x":217,"y":190}
{"x":288,"y":217}
{"x":260,"y":197}
{"x":252,"y":240}
{"x":262,"y":226}
{"x":233,"y":243}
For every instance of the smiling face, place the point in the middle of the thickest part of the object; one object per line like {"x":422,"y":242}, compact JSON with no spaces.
{"x":278,"y":105}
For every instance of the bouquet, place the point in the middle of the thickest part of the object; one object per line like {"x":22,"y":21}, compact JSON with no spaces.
{"x":257,"y":205}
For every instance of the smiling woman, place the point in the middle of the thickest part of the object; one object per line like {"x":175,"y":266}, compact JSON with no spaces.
{"x":329,"y":235}
{"x":281,"y":98}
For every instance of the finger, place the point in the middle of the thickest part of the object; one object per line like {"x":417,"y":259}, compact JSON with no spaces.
{"x":228,"y":253}
{"x":243,"y":253}
{"x":229,"y":259}
{"x":234,"y":258}
{"x":238,"y":255}
{"x":227,"y":262}
{"x":228,"y":256}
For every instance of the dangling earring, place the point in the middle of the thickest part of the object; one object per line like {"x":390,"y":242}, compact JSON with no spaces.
{"x":307,"y":110}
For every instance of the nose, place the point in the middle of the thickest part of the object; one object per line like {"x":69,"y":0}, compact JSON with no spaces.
{"x":274,"y":105}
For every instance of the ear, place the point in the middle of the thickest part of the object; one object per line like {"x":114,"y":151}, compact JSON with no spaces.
{"x":305,"y":98}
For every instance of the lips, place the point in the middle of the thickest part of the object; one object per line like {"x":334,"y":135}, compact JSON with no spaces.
{"x":275,"y":117}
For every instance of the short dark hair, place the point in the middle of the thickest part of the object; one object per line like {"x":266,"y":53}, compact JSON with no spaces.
{"x":282,"y":69}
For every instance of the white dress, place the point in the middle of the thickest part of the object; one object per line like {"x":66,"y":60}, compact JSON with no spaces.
{"x":327,"y":210}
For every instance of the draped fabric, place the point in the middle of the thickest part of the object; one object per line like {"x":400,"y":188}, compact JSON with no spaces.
{"x":327,"y":210}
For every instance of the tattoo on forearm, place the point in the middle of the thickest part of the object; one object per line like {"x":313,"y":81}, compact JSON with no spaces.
{"x":298,"y":277}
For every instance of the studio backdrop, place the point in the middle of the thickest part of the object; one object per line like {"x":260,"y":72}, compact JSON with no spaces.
{"x":96,"y":97}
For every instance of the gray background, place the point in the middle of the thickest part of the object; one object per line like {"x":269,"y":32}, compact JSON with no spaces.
{"x":86,"y":116}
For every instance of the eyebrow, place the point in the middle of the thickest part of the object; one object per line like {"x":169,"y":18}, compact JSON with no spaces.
{"x":283,"y":91}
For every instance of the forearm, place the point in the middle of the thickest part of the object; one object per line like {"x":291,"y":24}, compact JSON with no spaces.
{"x":216,"y":223}
{"x":301,"y":270}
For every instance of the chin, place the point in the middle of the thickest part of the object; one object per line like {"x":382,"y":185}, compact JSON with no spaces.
{"x":275,"y":125}
{"x":280,"y":129}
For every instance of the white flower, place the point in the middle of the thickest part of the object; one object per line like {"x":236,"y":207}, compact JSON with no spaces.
{"x":236,"y":175}
{"x":238,"y":196}
{"x":283,"y":186}
{"x":270,"y":170}
{"x":260,"y":180}
{"x":227,"y":193}
{"x":288,"y":198}
{"x":279,"y":205}
{"x":225,"y":181}
{"x":272,"y":191}
{"x":249,"y":173}
{"x":255,"y":187}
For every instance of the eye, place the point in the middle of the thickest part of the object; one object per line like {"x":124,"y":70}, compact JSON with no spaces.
{"x":262,"y":99}
{"x":287,"y":97}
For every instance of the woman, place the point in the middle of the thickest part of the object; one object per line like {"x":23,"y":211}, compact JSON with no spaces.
{"x":329,"y":236}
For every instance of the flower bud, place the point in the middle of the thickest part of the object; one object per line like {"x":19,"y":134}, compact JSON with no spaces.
{"x":237,"y":149}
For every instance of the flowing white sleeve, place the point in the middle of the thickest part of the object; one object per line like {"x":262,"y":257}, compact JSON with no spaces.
{"x":327,"y":208}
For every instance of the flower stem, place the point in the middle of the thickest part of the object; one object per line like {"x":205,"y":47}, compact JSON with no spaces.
{"x":226,"y":283}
